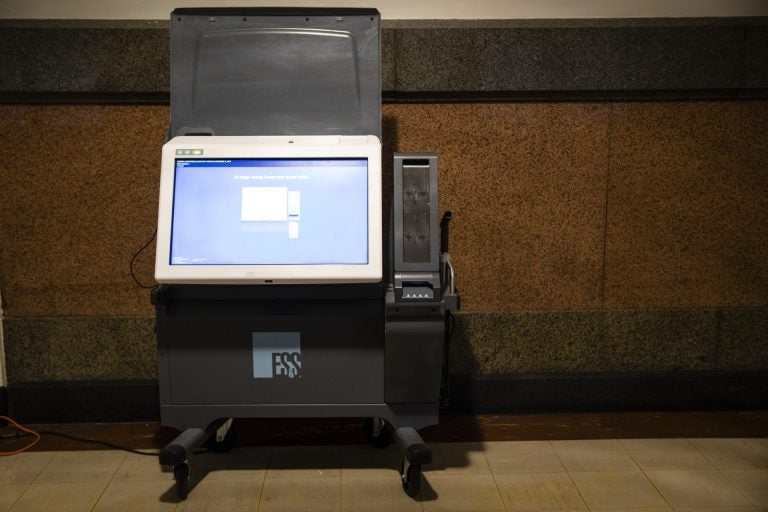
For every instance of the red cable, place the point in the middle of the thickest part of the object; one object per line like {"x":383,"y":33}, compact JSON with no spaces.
{"x":23,"y":429}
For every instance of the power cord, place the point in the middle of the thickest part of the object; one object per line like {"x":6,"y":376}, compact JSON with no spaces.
{"x":37,"y":435}
{"x":24,"y":432}
{"x":133,"y":275}
{"x":96,"y":441}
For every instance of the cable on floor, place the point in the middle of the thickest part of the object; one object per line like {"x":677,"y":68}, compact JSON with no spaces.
{"x":26,"y":431}
{"x":96,"y":441}
{"x":37,"y":435}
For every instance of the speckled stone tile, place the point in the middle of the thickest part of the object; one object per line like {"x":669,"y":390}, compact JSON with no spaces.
{"x":526,"y":185}
{"x":78,"y":198}
{"x":79,"y":348}
{"x":643,"y":56}
{"x":755,"y":63}
{"x":533,"y":56}
{"x":687,"y":206}
{"x":423,"y":55}
{"x":534,"y":342}
{"x":387,"y":59}
{"x":742,"y":344}
{"x":585,"y":341}
{"x":97,"y":57}
{"x":653,"y":340}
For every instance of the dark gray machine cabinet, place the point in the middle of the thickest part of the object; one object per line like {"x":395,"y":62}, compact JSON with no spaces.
{"x":413,"y":357}
{"x":298,"y":351}
{"x":207,"y":336}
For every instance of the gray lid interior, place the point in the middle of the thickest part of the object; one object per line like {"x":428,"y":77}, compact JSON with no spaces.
{"x":275,"y":72}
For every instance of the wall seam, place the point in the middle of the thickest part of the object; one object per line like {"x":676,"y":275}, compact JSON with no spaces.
{"x":605,"y":209}
{"x":3,"y":375}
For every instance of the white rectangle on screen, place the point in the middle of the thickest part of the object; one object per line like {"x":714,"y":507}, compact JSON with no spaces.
{"x":293,"y":229}
{"x":264,"y":203}
{"x":294,"y":200}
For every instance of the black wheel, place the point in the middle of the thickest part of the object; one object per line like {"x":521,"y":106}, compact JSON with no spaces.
{"x":384,"y":437}
{"x":225,"y":444}
{"x":181,"y":475}
{"x":411,"y":480}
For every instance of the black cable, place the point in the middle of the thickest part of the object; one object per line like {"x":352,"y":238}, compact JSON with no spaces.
{"x":133,"y":275}
{"x":90,"y":441}
{"x":81,"y":440}
{"x":451,"y":324}
{"x":445,"y":387}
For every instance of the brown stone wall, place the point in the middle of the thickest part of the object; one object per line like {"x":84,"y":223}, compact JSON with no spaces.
{"x":558,"y":207}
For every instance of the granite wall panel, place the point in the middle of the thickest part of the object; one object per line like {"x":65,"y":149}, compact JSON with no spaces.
{"x":526,"y":184}
{"x":85,"y":57}
{"x":80,"y":348}
{"x":78,"y":197}
{"x":483,"y":343}
{"x":590,"y":58}
{"x":532,"y":342}
{"x":635,"y":56}
{"x":599,"y":341}
{"x":743,"y":339}
{"x":687,"y":206}
{"x":683,"y":253}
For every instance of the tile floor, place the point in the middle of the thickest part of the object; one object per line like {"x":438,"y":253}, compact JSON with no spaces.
{"x":687,"y":475}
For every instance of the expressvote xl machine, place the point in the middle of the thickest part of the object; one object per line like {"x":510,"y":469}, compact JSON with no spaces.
{"x":278,"y":295}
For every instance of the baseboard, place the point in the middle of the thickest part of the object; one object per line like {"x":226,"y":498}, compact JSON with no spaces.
{"x":84,"y":401}
{"x":680,"y":391}
{"x":119,"y":401}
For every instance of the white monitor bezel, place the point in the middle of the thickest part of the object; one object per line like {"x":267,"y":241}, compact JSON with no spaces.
{"x":231,"y":147}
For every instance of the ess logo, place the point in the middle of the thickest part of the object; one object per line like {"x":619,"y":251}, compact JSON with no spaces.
{"x":286,"y":364}
{"x":276,"y":355}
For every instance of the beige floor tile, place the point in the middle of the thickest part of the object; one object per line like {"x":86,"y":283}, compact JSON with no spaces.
{"x":301,"y":494}
{"x":603,"y":490}
{"x":734,"y":453}
{"x":594,"y":455}
{"x":59,"y":497}
{"x":652,"y":454}
{"x":9,"y":493}
{"x":539,"y":491}
{"x":23,"y":468}
{"x":522,"y":457}
{"x":367,"y":461}
{"x":223,"y":496}
{"x":138,"y":468}
{"x":137,"y":496}
{"x":449,"y":458}
{"x":696,"y":488}
{"x":248,"y":462}
{"x":643,"y":509}
{"x":461,"y":493}
{"x":715,"y":509}
{"x":383,"y":494}
{"x":752,"y":483}
{"x":82,"y":466}
{"x":304,"y":462}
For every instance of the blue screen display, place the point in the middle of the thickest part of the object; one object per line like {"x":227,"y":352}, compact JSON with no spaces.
{"x":270,"y":212}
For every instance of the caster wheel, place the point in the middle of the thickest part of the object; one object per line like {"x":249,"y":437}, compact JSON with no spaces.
{"x":181,"y":475}
{"x":384,"y":437}
{"x":225,"y":444}
{"x":411,"y":480}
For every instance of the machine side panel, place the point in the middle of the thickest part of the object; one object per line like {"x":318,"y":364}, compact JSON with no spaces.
{"x":413,"y":358}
